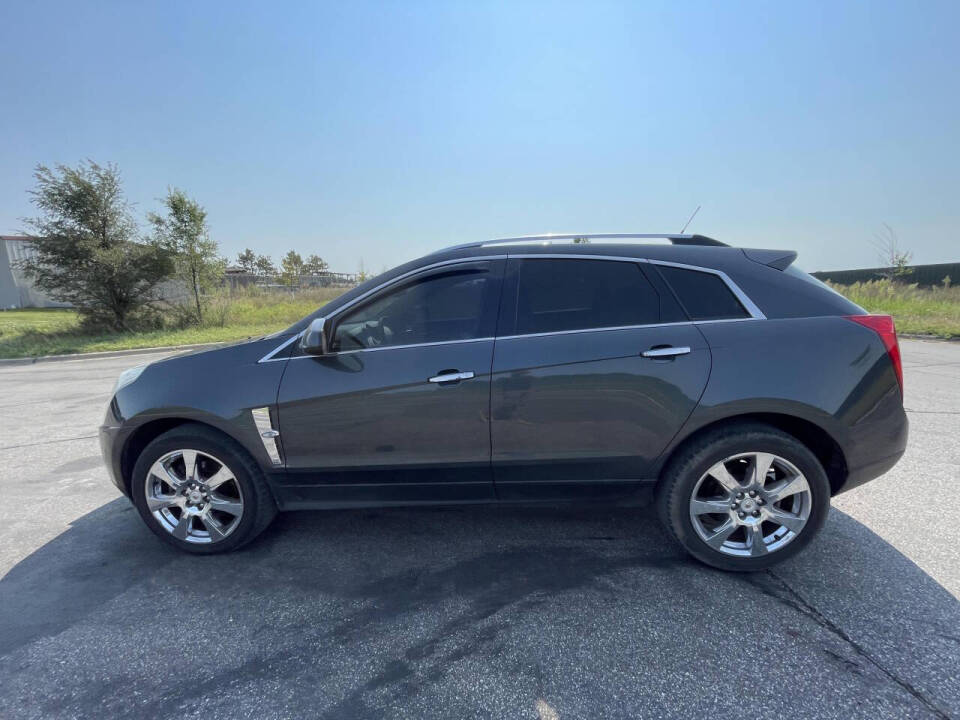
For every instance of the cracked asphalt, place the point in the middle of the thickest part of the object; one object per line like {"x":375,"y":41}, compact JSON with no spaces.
{"x":539,"y":612}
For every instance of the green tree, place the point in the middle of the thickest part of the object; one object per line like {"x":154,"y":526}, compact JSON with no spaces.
{"x":183,"y":233}
{"x":315,"y":265}
{"x":84,"y":248}
{"x":896,"y":261}
{"x":291,"y":268}
{"x":264,"y":265}
{"x":248,"y":261}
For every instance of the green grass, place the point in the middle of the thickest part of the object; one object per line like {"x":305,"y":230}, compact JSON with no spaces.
{"x":45,"y":320}
{"x":244,"y":314}
{"x":920,"y":311}
{"x":251,"y":313}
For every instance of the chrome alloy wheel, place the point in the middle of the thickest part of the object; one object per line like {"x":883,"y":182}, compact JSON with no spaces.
{"x":750,"y":504}
{"x":194,"y":496}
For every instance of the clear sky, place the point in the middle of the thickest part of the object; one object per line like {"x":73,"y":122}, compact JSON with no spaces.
{"x":382,"y":131}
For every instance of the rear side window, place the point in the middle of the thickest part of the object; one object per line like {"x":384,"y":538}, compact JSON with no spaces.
{"x":556,"y":295}
{"x":704,"y":296}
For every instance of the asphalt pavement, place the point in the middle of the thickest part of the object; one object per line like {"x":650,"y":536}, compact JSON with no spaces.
{"x":507,"y":612}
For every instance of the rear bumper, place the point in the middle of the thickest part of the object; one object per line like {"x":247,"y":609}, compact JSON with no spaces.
{"x":869,"y":472}
{"x":893,"y":442}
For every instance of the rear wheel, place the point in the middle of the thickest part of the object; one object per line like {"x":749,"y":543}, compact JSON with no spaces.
{"x":744,"y":497}
{"x":200,"y":491}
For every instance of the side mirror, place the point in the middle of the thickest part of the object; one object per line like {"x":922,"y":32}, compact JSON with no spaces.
{"x":316,"y":338}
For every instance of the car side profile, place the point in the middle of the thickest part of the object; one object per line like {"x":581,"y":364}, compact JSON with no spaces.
{"x":726,"y":386}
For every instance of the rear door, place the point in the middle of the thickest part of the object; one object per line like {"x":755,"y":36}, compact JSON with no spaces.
{"x":595,"y":369}
{"x":399,"y":410}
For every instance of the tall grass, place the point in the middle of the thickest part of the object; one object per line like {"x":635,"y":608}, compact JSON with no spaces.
{"x":255,"y":306}
{"x":250,"y":312}
{"x":922,"y":311}
{"x":228,"y":315}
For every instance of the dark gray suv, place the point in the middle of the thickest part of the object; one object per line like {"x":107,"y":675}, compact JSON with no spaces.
{"x":728,"y":387}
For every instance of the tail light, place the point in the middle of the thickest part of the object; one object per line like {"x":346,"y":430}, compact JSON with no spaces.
{"x":884,"y":327}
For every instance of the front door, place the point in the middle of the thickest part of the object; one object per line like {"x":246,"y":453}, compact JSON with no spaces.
{"x":578,"y":410}
{"x":399,"y":410}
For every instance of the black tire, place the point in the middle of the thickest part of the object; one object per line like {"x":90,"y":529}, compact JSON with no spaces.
{"x":259,"y":507}
{"x":681,"y":475}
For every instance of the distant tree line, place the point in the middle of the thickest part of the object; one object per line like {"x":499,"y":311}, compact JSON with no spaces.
{"x":894,"y":266}
{"x":940,"y":274}
{"x":90,"y":251}
{"x":292,"y":266}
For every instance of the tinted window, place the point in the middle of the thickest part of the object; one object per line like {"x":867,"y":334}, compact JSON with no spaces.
{"x":554,"y":295}
{"x":794,"y":271}
{"x":436,"y":309}
{"x":704,"y":296}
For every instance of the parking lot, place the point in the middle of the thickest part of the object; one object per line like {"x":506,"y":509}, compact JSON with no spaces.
{"x":539,"y":612}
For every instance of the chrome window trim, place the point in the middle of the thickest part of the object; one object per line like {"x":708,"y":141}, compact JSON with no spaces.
{"x":404,"y":347}
{"x":612,"y":328}
{"x":269,"y":356}
{"x":376,"y":349}
{"x":530,"y":335}
{"x":623,"y":327}
{"x":726,"y":320}
{"x":748,"y":304}
{"x":744,"y":299}
{"x":411,"y":273}
{"x":751,"y":308}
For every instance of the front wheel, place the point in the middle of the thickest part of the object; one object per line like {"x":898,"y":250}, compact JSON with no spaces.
{"x":744,"y":498}
{"x":200,"y":491}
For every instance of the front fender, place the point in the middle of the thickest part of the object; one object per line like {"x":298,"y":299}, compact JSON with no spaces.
{"x":217,"y":388}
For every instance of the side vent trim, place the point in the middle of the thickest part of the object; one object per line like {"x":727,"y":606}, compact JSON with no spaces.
{"x":268,"y":435}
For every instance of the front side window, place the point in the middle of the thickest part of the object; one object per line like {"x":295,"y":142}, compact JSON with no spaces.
{"x":704,"y":296}
{"x":439,"y":308}
{"x":554,"y":295}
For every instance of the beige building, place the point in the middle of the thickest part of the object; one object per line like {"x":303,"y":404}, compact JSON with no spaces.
{"x":16,"y":291}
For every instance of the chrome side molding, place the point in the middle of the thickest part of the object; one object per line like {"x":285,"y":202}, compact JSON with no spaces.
{"x":268,"y":435}
{"x":270,"y":355}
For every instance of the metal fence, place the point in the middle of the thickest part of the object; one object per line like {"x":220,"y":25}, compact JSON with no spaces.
{"x":235,"y":280}
{"x":923,"y":275}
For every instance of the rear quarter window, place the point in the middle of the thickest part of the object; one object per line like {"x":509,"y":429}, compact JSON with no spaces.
{"x":790,"y":293}
{"x":703,"y":295}
{"x":794,"y":271}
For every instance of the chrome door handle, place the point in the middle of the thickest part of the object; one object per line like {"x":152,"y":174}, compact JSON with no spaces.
{"x":451,"y":377}
{"x":665,"y":352}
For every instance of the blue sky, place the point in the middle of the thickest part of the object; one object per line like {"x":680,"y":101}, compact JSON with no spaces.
{"x":381,"y":131}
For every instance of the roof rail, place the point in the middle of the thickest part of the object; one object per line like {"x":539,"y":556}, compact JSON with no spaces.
{"x":674,"y":238}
